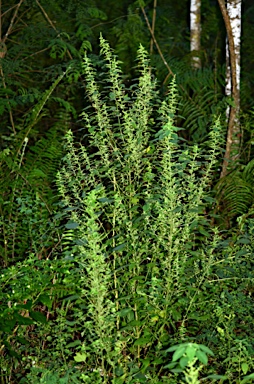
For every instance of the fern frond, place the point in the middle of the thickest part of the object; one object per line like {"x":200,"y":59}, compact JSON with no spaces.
{"x":235,"y":192}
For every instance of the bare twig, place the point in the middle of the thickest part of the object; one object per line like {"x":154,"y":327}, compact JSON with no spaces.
{"x":157,"y":45}
{"x":12,"y":21}
{"x":153,"y":25}
{"x":4,"y":50}
{"x":51,"y":23}
{"x":8,"y":10}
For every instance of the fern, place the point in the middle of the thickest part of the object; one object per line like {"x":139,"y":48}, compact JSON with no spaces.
{"x":26,"y":183}
{"x":234,"y":192}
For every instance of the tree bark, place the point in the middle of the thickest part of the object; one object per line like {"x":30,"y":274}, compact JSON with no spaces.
{"x":232,"y":20}
{"x":195,"y":31}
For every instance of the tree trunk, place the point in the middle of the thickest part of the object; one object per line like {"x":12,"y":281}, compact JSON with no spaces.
{"x":232,"y":18}
{"x":195,"y":31}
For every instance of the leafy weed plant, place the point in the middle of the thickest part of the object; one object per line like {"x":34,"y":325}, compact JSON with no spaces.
{"x":139,"y":233}
{"x":139,"y":268}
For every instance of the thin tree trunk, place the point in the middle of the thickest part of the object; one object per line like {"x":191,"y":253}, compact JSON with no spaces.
{"x":195,"y":31}
{"x":232,"y":19}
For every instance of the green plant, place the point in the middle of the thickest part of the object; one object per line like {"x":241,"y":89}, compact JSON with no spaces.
{"x":135,"y":265}
{"x":135,"y":206}
{"x":188,"y":355}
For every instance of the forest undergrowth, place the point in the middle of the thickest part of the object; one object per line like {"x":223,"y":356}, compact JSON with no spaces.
{"x":136,"y":282}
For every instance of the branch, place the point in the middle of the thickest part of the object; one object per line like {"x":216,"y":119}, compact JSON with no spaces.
{"x":51,"y":23}
{"x":12,"y":21}
{"x":157,"y":45}
{"x":153,"y":25}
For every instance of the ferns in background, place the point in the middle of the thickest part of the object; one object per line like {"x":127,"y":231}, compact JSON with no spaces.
{"x":26,"y":184}
{"x":235,"y":195}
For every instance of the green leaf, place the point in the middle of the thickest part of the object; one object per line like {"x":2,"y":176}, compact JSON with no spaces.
{"x":71,"y":225}
{"x":73,"y":344}
{"x":245,"y":368}
{"x":21,"y":340}
{"x":38,"y":316}
{"x":21,"y":320}
{"x":124,"y":312}
{"x":119,"y":247}
{"x":112,"y":96}
{"x":190,"y":352}
{"x":243,"y":240}
{"x":203,"y":232}
{"x":247,"y":378}
{"x":178,"y":353}
{"x":206,"y":349}
{"x":172,"y":349}
{"x":145,"y":363}
{"x":216,"y":377}
{"x":202,"y":357}
{"x":142,"y":341}
{"x":80,"y":357}
{"x":184,"y":362}
{"x":45,"y":300}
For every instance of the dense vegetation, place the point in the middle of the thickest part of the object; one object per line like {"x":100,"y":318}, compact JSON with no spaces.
{"x":125,"y":259}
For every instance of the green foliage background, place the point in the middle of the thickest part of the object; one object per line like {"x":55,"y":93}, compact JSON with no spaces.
{"x":45,"y":94}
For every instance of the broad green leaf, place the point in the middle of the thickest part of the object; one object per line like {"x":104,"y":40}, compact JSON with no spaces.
{"x":245,"y":368}
{"x":80,"y":357}
{"x":45,"y":300}
{"x":190,"y":352}
{"x":202,"y":357}
{"x":206,"y":349}
{"x":142,"y":341}
{"x":38,"y":316}
{"x":22,"y":320}
{"x":247,"y":379}
{"x":178,"y":353}
{"x":184,"y":362}
{"x":172,"y":349}
{"x":71,"y":225}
